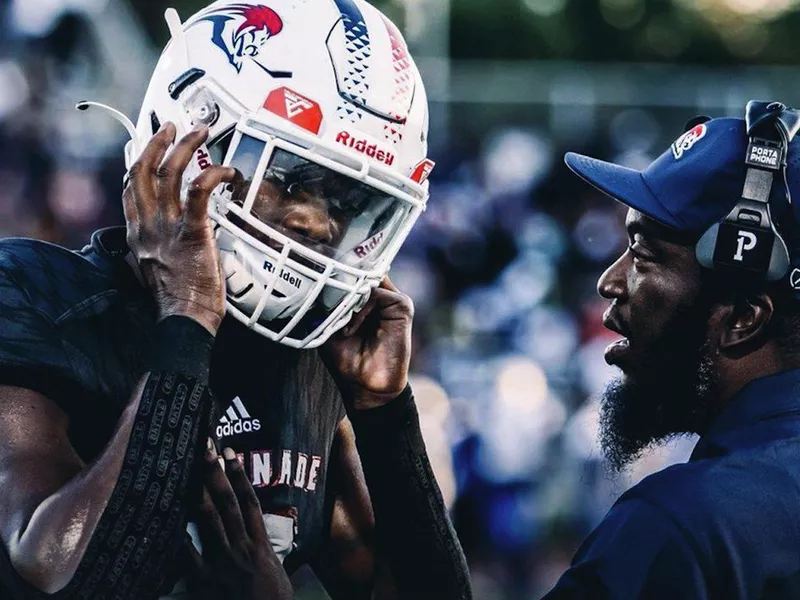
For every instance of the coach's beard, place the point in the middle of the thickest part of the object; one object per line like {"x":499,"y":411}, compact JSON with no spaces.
{"x":674,"y":396}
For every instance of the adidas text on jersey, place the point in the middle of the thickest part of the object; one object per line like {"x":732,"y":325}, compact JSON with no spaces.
{"x":237,"y":420}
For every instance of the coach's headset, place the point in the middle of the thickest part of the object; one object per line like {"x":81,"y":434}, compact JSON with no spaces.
{"x":747,"y":242}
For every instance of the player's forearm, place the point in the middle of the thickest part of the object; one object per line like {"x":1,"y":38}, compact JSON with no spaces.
{"x":119,"y":520}
{"x":48,"y":550}
{"x":414,"y":533}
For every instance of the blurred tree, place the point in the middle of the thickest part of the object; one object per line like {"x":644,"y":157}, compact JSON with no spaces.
{"x":707,"y":32}
{"x":703,"y":32}
{"x":152,"y":13}
{"x":617,"y":30}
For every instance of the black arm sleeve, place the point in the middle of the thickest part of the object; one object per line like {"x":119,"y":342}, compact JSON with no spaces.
{"x":414,"y":532}
{"x":133,"y":548}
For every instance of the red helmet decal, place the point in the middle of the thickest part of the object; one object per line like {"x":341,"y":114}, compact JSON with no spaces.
{"x":423,"y":171}
{"x":294,"y":107}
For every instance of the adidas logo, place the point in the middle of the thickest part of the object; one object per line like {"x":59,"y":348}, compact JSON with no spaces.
{"x":237,"y":420}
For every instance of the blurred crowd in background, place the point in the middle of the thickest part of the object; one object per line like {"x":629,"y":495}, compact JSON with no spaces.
{"x":503,"y":265}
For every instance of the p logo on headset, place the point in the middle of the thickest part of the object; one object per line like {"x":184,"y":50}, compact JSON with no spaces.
{"x":747,"y":241}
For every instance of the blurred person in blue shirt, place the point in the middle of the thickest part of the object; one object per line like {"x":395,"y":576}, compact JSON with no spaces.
{"x":706,"y":299}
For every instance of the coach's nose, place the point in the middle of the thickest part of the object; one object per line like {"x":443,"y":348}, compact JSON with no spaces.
{"x":612,"y":284}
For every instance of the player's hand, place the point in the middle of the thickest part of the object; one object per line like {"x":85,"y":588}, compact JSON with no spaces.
{"x":173,"y":242}
{"x":370,"y":357}
{"x":238,"y":562}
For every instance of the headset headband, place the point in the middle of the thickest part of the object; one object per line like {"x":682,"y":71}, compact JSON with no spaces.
{"x":771,"y":128}
{"x":746,"y":241}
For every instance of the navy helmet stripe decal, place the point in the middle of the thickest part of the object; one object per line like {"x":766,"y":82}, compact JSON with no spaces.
{"x":357,"y":42}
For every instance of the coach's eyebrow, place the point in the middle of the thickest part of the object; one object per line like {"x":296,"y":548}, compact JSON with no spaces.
{"x":653,"y":231}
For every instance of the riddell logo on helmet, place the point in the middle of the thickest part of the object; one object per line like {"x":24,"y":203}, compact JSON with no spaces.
{"x":285,"y":275}
{"x":367,"y":247}
{"x":363,"y":146}
{"x":203,"y":159}
{"x":687,"y":140}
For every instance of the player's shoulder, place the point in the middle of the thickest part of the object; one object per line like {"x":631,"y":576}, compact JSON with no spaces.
{"x":54,"y":280}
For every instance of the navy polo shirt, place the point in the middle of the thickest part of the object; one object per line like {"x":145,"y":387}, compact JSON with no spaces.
{"x":725,"y":525}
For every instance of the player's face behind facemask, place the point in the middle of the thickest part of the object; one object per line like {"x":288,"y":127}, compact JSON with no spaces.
{"x":323,"y":210}
{"x":314,"y":226}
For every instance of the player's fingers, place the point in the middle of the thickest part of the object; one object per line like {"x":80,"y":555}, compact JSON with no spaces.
{"x":169,"y":174}
{"x":387,"y":304}
{"x":224,"y":498}
{"x":193,"y":565}
{"x":245,"y":494}
{"x":142,"y":174}
{"x":358,"y":319}
{"x":392,"y":304}
{"x":196,"y":210}
{"x":388,"y":285}
{"x":210,"y":529}
{"x":129,"y":206}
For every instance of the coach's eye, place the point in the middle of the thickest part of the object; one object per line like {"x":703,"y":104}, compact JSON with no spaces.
{"x":640,"y":253}
{"x":640,"y":250}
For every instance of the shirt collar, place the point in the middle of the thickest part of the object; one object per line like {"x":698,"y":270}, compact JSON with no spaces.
{"x":107,"y":251}
{"x":760,"y":400}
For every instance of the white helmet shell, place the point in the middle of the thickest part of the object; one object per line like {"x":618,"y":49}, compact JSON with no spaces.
{"x":319,"y":91}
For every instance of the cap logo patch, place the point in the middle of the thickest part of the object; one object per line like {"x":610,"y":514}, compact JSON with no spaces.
{"x":687,"y":140}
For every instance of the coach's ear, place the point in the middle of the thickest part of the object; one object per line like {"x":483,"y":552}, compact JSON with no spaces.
{"x":742,"y":323}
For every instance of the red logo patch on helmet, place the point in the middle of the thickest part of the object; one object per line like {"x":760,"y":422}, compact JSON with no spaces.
{"x":687,"y":140}
{"x":423,"y":171}
{"x":296,"y":108}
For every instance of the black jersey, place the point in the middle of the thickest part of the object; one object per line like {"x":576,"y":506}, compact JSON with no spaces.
{"x":79,"y":328}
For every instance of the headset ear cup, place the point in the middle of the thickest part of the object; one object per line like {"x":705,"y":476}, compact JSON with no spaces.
{"x":779,"y":261}
{"x":704,"y":250}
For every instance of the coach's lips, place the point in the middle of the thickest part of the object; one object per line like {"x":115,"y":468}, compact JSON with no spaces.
{"x":616,"y":352}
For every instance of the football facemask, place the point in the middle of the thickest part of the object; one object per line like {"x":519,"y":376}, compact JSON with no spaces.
{"x":303,"y":240}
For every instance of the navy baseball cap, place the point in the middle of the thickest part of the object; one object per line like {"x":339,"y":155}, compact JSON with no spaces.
{"x":694,"y":184}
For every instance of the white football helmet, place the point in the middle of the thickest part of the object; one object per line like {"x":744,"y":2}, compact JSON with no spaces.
{"x":320,"y":108}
